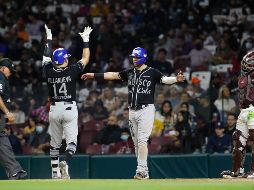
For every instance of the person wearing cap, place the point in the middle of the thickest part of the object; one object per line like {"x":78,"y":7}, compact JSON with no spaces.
{"x":219,"y":142}
{"x":7,"y":158}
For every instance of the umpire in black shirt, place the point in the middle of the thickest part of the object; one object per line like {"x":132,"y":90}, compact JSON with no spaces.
{"x":7,"y":158}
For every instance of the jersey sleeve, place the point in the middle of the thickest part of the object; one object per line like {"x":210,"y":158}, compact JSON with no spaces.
{"x":158,"y":76}
{"x":78,"y":67}
{"x":123,"y":75}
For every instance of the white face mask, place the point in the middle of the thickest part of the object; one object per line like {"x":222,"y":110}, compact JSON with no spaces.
{"x":39,"y":129}
{"x":124,"y":137}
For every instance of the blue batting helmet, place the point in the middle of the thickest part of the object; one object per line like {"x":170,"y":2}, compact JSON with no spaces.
{"x":59,"y":56}
{"x":139,"y":53}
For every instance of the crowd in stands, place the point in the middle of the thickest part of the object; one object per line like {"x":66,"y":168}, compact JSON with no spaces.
{"x":205,"y":39}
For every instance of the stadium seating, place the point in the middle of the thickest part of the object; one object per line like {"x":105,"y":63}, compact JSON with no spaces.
{"x":86,"y":138}
{"x":154,"y":148}
{"x":94,"y":149}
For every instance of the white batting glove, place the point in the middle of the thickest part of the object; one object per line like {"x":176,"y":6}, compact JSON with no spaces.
{"x":85,"y":35}
{"x":48,"y":32}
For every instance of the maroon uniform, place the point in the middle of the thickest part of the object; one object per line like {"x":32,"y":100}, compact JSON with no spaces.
{"x":245,"y":122}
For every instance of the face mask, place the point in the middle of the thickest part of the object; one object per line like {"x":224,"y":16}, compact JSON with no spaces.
{"x":124,"y":137}
{"x":39,"y":129}
{"x":248,"y":45}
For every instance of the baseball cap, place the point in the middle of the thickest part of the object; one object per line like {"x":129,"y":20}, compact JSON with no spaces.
{"x":7,"y":63}
{"x":195,"y":80}
{"x":219,"y":126}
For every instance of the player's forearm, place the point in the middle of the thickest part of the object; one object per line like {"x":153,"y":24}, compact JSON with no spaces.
{"x":85,"y":55}
{"x":106,"y":76}
{"x":47,"y":51}
{"x":3,"y":107}
{"x":111,"y":76}
{"x":48,"y":48}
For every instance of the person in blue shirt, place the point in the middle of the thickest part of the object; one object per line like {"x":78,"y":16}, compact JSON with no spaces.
{"x":219,"y":142}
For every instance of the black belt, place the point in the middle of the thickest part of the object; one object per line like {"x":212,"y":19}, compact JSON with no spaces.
{"x":65,"y":103}
{"x":138,"y":107}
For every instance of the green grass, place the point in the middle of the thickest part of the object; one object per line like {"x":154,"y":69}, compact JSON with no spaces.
{"x":108,"y":184}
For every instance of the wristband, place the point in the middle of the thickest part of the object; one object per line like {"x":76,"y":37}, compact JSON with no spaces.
{"x":99,"y":76}
{"x":85,"y":45}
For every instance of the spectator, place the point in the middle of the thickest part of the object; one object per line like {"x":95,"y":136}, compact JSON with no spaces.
{"x":40,"y":139}
{"x":199,"y":56}
{"x":165,"y":112}
{"x":224,"y":103}
{"x":29,"y":129}
{"x":124,"y":122}
{"x":219,"y":142}
{"x":230,"y":124}
{"x":99,"y":112}
{"x":14,"y":140}
{"x":183,"y":127}
{"x":162,"y":64}
{"x":110,"y":134}
{"x":19,"y":114}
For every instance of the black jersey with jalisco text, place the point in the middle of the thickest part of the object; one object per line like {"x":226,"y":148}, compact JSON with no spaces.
{"x":141,"y":85}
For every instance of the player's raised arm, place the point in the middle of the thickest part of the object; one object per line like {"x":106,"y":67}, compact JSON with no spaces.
{"x":48,"y":46}
{"x":171,"y":80}
{"x":86,"y":51}
{"x":105,"y":76}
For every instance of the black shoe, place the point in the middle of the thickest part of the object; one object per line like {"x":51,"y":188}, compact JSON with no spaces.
{"x":19,"y":175}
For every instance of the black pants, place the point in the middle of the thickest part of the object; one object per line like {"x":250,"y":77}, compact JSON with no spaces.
{"x":7,"y":157}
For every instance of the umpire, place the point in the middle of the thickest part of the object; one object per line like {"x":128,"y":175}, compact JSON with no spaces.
{"x":7,"y":157}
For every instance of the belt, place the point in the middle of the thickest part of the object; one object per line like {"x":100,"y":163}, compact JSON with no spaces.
{"x":65,"y":103}
{"x":138,"y":107}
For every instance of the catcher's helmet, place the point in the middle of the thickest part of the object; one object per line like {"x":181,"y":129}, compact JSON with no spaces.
{"x":139,"y":53}
{"x":59,"y":56}
{"x":247,"y":63}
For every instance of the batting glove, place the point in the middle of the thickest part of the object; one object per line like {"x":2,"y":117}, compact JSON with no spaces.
{"x":85,"y":35}
{"x":48,"y":32}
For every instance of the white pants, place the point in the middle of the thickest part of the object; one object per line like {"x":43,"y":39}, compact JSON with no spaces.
{"x":63,"y":118}
{"x":245,"y":122}
{"x":141,"y":125}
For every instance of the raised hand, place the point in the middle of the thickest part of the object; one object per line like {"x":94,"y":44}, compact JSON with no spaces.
{"x":180,"y":77}
{"x":85,"y":35}
{"x":48,"y":32}
{"x":87,"y":76}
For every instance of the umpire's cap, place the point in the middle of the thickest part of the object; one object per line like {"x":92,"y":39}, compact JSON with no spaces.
{"x":7,"y":63}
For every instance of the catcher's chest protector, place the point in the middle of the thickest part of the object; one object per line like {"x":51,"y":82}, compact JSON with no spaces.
{"x":246,"y":89}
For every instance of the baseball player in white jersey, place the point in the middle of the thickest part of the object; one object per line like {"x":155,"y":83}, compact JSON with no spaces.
{"x":63,"y":115}
{"x":141,"y":86}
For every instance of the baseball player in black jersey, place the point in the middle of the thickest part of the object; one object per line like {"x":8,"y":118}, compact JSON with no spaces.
{"x":245,"y":121}
{"x":141,"y":86}
{"x":7,"y":157}
{"x":63,"y":115}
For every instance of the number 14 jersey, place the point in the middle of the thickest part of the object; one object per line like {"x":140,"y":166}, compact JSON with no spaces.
{"x":62,"y":81}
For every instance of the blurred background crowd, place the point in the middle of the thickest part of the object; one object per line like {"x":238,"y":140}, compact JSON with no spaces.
{"x":206,"y":39}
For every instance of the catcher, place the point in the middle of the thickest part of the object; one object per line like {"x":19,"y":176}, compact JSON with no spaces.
{"x":245,"y":122}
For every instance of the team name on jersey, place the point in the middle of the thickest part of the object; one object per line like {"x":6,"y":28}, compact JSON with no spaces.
{"x":142,"y":85}
{"x":59,"y":80}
